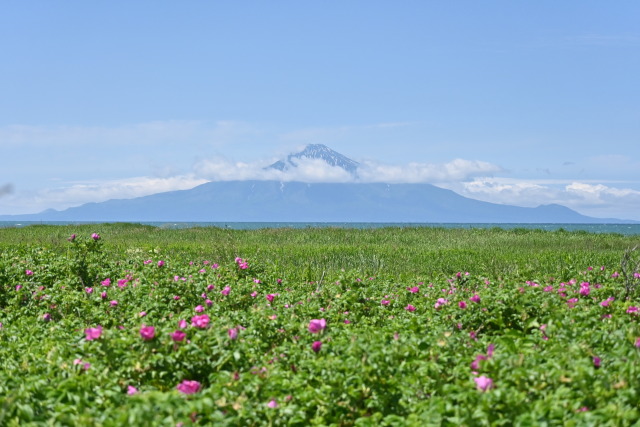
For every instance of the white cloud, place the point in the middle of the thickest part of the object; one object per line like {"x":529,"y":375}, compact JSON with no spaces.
{"x":315,"y":170}
{"x":601,"y":194}
{"x":96,"y":191}
{"x":306,"y":170}
{"x":456,"y":170}
{"x":594,"y":199}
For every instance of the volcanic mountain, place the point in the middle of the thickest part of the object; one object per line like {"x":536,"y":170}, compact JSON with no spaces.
{"x":279,"y":201}
{"x":318,"y":152}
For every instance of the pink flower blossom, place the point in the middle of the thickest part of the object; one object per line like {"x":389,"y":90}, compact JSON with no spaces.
{"x":103,"y":295}
{"x":113,"y":303}
{"x":28,"y":272}
{"x":615,"y":275}
{"x":188,"y":387}
{"x":633,"y":309}
{"x":178,"y":336}
{"x":316,"y":346}
{"x":440,"y":302}
{"x":596,"y":362}
{"x":233,"y":333}
{"x":182,"y":324}
{"x":410,"y":308}
{"x":317,"y":325}
{"x":160,"y":263}
{"x":270,"y":297}
{"x":254,"y":294}
{"x":637,"y":343}
{"x":414,"y":290}
{"x":199,"y":309}
{"x":85,"y":365}
{"x":607,"y":302}
{"x":272,"y":404}
{"x":106,"y":282}
{"x":225,"y":291}
{"x":385,"y":302}
{"x":142,"y":314}
{"x":256,"y":281}
{"x":131,"y":390}
{"x":88,"y":290}
{"x":347,"y":321}
{"x":201,"y":321}
{"x":462,"y":304}
{"x":46,"y":317}
{"x":72,"y":238}
{"x":475,"y":365}
{"x":147,"y":332}
{"x":93,"y":333}
{"x":95,"y":236}
{"x":483,"y":383}
{"x":490,"y":350}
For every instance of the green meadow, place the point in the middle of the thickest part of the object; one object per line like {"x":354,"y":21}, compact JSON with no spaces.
{"x":125,"y":323}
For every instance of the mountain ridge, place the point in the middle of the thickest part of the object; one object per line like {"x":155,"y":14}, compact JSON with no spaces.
{"x":276,"y":201}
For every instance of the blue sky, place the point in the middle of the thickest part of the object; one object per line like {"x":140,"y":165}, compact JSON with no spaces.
{"x":522,"y":103}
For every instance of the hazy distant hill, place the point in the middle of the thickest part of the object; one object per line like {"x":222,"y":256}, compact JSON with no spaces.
{"x":273,"y":201}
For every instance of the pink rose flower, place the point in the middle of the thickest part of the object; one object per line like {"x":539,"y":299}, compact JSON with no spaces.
{"x":233,"y":333}
{"x":201,"y":321}
{"x":316,"y":346}
{"x":93,"y":333}
{"x":317,"y":325}
{"x":147,"y":332}
{"x":188,"y":387}
{"x":484,"y":383}
{"x":178,"y":336}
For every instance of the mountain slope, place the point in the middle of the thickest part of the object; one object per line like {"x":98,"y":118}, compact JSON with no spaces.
{"x":273,"y":201}
{"x":317,"y":152}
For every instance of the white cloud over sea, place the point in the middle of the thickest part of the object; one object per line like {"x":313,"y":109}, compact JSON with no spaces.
{"x":590,"y":198}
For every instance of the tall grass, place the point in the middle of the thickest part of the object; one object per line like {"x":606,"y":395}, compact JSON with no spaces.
{"x":398,"y":252}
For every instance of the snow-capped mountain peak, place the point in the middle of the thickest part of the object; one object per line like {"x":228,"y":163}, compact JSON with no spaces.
{"x":317,"y":151}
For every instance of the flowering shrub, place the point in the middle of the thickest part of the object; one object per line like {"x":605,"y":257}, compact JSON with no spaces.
{"x":456,"y":349}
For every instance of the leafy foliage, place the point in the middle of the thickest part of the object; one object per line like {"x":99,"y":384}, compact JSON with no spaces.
{"x":120,"y":330}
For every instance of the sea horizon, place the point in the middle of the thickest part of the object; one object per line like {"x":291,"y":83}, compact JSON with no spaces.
{"x":624,"y":229}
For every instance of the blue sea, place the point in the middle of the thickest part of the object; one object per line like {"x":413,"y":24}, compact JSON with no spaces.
{"x":624,"y":229}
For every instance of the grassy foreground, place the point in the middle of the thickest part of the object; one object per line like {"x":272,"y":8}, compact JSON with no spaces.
{"x":417,"y":326}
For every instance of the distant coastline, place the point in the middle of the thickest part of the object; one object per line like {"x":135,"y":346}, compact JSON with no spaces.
{"x":624,"y":229}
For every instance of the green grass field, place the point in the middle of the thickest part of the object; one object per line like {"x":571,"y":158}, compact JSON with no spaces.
{"x":420,"y":326}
